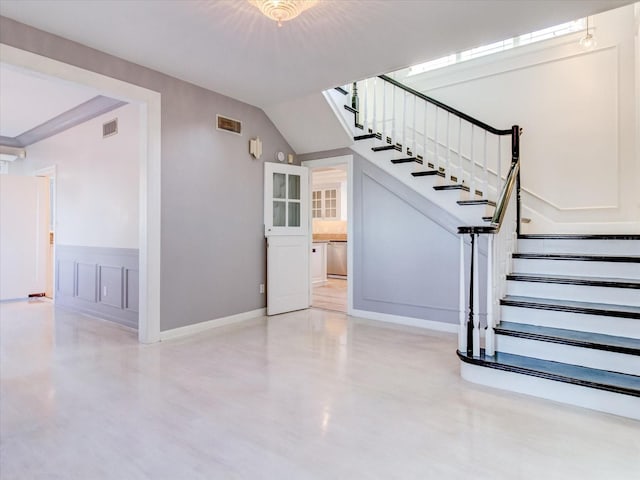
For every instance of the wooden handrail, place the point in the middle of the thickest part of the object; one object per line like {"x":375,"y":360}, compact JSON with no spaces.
{"x":449,"y":109}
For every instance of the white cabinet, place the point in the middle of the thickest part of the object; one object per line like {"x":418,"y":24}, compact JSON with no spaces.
{"x":319,"y":263}
{"x":328,"y":201}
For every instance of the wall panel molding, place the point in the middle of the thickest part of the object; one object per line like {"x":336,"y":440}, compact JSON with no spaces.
{"x":99,"y":281}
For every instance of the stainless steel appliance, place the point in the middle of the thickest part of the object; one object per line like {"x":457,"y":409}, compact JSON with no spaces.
{"x":337,"y":258}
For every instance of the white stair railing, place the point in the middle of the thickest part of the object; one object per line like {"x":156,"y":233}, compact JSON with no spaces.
{"x":465,"y":149}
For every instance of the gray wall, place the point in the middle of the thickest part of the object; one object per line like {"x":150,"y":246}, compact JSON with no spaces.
{"x":99,"y":281}
{"x":213,"y":250}
{"x":406,"y":249}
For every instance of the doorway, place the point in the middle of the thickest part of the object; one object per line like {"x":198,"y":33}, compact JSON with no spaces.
{"x":50,"y":174}
{"x":149,"y":168}
{"x":331,"y":223}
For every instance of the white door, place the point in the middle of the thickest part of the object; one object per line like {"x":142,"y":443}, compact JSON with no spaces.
{"x":24,"y":235}
{"x":286,"y":224}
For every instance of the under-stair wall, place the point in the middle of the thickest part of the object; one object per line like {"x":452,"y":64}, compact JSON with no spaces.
{"x":405,"y":251}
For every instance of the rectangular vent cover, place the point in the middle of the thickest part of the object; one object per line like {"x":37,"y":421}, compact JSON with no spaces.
{"x":110,"y":128}
{"x":229,"y":124}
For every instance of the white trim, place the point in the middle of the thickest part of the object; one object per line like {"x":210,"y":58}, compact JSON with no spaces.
{"x":209,"y":324}
{"x":331,"y":162}
{"x":150,"y":164}
{"x":408,"y":321}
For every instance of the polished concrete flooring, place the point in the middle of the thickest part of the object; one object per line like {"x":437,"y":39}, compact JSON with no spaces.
{"x":308,"y":395}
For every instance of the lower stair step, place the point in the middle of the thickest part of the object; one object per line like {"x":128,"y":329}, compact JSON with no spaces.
{"x":588,"y":308}
{"x":587,"y":349}
{"x":598,"y":341}
{"x":602,"y":390}
{"x":482,"y":201}
{"x":618,"y":291}
{"x":406,"y":160}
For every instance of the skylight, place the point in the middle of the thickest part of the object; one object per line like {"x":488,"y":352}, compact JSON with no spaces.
{"x":501,"y":46}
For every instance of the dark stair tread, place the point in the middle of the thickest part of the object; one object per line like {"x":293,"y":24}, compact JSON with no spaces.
{"x":571,"y":306}
{"x":581,"y":236}
{"x":382,"y":148}
{"x":563,"y":372}
{"x":482,"y":201}
{"x":428,"y":173}
{"x":365,"y":136}
{"x":487,"y":219}
{"x":581,"y":257}
{"x":342,"y":90}
{"x":351,"y":109}
{"x":457,"y":186}
{"x":405,"y":160}
{"x":563,"y":336}
{"x":575,"y":280}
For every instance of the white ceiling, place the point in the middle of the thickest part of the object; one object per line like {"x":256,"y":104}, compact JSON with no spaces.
{"x":28,"y":100}
{"x":228,"y":46}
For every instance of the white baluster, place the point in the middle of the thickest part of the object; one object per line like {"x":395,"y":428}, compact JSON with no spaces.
{"x":404,"y":121}
{"x":499,"y":168}
{"x":375,"y":105}
{"x":460,"y":167}
{"x":384,"y":111}
{"x":485,"y":170}
{"x":425,"y":138}
{"x":436,"y":156}
{"x":472,"y":174}
{"x":393,"y":114}
{"x":490,"y":347}
{"x":448,"y":161}
{"x":476,"y":301}
{"x":414,"y":147}
{"x":365,"y":119}
{"x":462,"y":334}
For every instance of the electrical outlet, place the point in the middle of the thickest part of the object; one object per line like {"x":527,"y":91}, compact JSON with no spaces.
{"x":262,"y":288}
{"x":104,"y":291}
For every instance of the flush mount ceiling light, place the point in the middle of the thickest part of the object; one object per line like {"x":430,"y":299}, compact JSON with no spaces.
{"x":282,"y":10}
{"x":588,"y":41}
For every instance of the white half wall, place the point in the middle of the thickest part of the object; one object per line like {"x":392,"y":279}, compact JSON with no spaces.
{"x":97,"y":180}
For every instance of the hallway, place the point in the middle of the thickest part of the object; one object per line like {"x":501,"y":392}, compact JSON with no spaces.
{"x":308,"y":395}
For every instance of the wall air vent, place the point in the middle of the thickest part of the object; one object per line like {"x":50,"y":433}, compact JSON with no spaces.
{"x":110,"y":128}
{"x":229,"y":124}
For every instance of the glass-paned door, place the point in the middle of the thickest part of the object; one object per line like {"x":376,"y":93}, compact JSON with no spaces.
{"x":286,"y":199}
{"x":286,"y":219}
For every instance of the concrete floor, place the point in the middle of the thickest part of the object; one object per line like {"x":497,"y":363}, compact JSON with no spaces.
{"x":308,"y":395}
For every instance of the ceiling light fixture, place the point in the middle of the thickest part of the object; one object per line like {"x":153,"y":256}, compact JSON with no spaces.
{"x":588,"y":42}
{"x":282,"y":10}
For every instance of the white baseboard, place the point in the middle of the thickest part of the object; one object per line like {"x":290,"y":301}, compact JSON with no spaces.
{"x":215,"y":323}
{"x":407,"y":321}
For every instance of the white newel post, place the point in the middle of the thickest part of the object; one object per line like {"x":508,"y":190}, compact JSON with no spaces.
{"x":490,"y":347}
{"x":462,"y":334}
{"x":476,"y":301}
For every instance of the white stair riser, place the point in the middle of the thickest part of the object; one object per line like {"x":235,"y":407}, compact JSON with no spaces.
{"x":577,"y":267}
{"x":621,"y":327}
{"x":605,"y":247}
{"x":603,"y":401}
{"x":580,"y":293}
{"x":556,"y":352}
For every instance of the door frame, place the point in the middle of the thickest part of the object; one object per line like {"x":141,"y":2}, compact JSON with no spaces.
{"x":149,"y":189}
{"x":50,"y":172}
{"x":332,"y":162}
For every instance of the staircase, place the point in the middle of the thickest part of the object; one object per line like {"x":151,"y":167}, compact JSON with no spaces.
{"x":562,"y":311}
{"x":569,"y":325}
